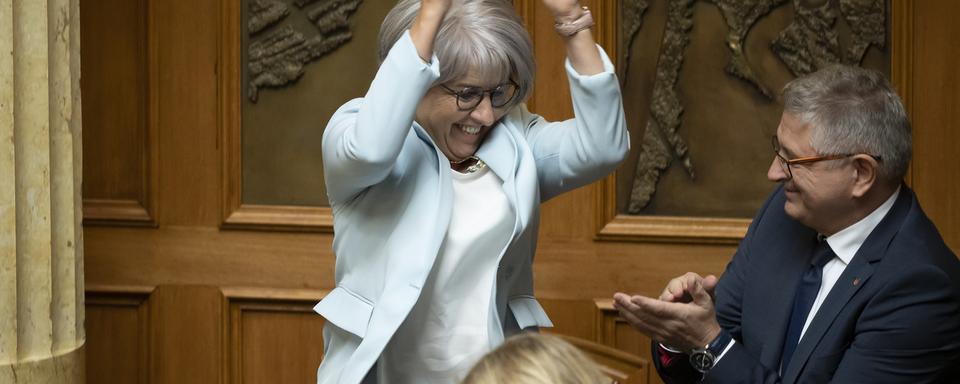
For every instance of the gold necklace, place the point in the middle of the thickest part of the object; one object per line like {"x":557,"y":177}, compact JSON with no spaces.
{"x":476,"y":165}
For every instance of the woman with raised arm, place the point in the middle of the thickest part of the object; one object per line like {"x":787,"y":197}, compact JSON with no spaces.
{"x":435,"y":178}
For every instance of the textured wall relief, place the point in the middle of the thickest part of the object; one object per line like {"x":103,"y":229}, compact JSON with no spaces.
{"x":740,"y":16}
{"x":278,"y":53}
{"x":661,"y":142}
{"x":632,"y":20}
{"x":810,"y":41}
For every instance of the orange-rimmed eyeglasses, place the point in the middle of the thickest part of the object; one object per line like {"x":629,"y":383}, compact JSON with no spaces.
{"x":785,"y":163}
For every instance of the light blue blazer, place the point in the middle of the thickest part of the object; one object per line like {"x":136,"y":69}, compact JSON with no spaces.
{"x":390,"y":190}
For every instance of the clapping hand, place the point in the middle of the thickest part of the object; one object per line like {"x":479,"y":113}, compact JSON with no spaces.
{"x":683,"y":317}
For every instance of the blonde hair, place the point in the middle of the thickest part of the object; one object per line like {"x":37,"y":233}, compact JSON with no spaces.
{"x":533,"y":358}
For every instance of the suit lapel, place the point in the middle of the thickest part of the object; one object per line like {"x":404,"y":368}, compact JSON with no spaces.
{"x":792,"y":259}
{"x":851,"y":280}
{"x":499,"y":150}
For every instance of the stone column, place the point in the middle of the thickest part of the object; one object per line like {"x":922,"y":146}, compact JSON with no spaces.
{"x":41,"y":243}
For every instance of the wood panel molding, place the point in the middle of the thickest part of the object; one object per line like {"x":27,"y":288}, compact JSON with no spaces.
{"x":607,"y":319}
{"x":113,"y":298}
{"x":613,"y":331}
{"x":235,"y":214}
{"x":141,"y":211}
{"x":614,"y":226}
{"x":270,"y":294}
{"x":244,"y":301}
{"x":116,"y":212}
{"x":280,"y":218}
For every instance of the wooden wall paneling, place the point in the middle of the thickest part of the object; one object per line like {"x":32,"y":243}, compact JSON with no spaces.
{"x":234,"y":213}
{"x":574,"y":271}
{"x":120,"y":154}
{"x":186,"y":58}
{"x":933,"y":87}
{"x":189,"y":256}
{"x":186,"y":334}
{"x":274,"y":336}
{"x":614,"y":331}
{"x":192,"y":94}
{"x":117,"y":329}
{"x":570,"y":317}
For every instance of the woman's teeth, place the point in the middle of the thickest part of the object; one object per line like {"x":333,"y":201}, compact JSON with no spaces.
{"x":470,"y":130}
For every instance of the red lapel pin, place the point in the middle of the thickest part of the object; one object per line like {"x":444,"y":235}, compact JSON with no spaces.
{"x":856,"y":281}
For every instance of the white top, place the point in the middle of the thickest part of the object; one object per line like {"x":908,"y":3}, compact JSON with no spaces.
{"x":447,"y":330}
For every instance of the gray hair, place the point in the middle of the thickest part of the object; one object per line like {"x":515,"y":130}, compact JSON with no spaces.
{"x":486,"y":36}
{"x":853,"y":110}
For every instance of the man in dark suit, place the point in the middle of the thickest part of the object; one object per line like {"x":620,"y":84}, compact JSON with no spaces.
{"x":841,"y":276}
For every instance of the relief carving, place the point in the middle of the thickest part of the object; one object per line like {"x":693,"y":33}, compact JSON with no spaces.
{"x":632,"y":20}
{"x":277,"y":56}
{"x":868,"y":21}
{"x":740,"y":16}
{"x":661,"y":142}
{"x":809,"y":42}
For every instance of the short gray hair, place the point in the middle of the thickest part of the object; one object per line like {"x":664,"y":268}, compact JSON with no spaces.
{"x":486,"y":36}
{"x":853,"y":110}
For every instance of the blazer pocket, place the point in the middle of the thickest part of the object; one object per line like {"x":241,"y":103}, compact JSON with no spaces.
{"x":347,"y":310}
{"x":528,"y":312}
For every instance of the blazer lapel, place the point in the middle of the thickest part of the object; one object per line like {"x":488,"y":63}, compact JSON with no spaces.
{"x":792,"y":255}
{"x":851,"y":280}
{"x":499,"y":150}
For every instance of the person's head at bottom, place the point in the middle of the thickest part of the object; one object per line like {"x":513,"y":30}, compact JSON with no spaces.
{"x":534,"y":358}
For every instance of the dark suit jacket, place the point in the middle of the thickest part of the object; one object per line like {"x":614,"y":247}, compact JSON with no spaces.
{"x":892,"y":317}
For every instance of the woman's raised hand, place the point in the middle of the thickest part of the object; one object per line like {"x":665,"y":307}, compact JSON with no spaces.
{"x":564,"y":10}
{"x":426,"y":25}
{"x":573,"y":23}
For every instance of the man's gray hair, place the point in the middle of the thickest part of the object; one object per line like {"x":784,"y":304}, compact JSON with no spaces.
{"x":853,"y":110}
{"x":484,"y":36}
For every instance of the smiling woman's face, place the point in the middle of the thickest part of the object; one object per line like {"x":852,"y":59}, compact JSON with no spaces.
{"x":458,"y":134}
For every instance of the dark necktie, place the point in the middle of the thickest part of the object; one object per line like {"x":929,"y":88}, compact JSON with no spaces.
{"x":806,"y":294}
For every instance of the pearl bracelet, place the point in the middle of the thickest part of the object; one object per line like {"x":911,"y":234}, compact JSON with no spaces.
{"x":570,"y":28}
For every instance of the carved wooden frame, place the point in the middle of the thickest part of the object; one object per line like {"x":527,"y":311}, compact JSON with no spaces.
{"x":615,"y":226}
{"x":234,"y":213}
{"x":143,"y":210}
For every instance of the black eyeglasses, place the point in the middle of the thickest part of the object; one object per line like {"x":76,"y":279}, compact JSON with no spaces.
{"x":469,"y":98}
{"x":785,"y":164}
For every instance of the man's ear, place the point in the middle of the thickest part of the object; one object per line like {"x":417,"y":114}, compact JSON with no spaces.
{"x":867,"y":172}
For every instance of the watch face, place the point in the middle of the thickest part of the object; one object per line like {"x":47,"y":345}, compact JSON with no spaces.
{"x":702,"y":360}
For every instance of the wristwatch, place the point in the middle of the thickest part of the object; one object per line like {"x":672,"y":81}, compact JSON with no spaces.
{"x":704,"y":359}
